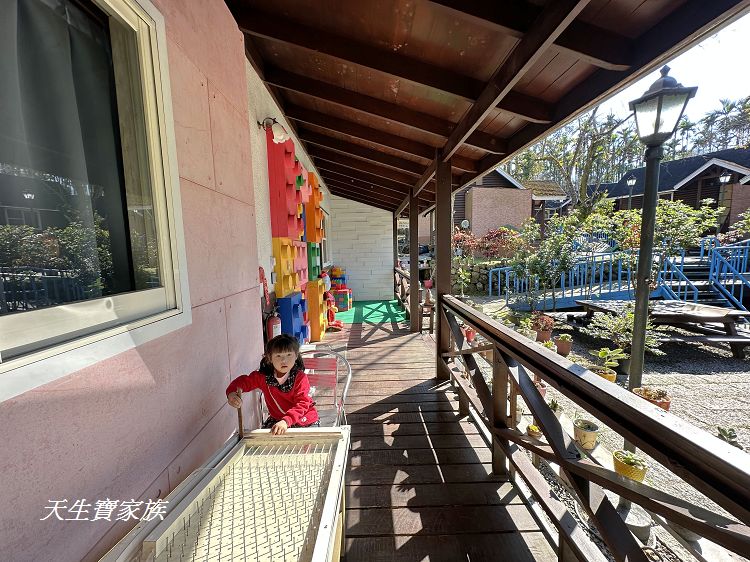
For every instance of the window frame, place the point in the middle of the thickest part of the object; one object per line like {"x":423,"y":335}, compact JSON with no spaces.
{"x":113,"y":324}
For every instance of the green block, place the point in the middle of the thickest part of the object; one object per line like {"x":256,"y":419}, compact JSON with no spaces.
{"x":313,"y":260}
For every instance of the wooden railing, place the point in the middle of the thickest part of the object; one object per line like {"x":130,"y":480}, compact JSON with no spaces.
{"x":715,"y":468}
{"x":401,"y":287}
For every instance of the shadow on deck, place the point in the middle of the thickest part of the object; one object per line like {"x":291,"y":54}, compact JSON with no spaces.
{"x":420,"y":483}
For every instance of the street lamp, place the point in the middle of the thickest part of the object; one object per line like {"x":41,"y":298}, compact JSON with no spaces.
{"x":725,"y":177}
{"x":657,"y":114}
{"x":631,"y":182}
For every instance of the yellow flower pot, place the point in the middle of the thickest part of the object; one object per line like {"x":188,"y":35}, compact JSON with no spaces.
{"x":628,"y":470}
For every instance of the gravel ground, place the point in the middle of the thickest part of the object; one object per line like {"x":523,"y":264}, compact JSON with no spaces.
{"x":709,"y":388}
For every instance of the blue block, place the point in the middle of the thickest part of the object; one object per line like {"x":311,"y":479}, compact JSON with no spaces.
{"x":291,"y":312}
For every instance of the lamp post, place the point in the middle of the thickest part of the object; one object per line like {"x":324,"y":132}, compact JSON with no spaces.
{"x":631,"y":182}
{"x":657,"y":114}
{"x":723,"y":180}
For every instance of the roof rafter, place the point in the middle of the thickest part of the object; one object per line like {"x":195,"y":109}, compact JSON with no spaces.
{"x":379,"y":108}
{"x":327,"y":155}
{"x":363,"y":191}
{"x":370,"y":199}
{"x":408,"y":146}
{"x":548,"y":25}
{"x":359,"y":151}
{"x":363,"y":200}
{"x":372,"y":188}
{"x":364,"y":176}
{"x":258,"y":24}
{"x":597,"y":46}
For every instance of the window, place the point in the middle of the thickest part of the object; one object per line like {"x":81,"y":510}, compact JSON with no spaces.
{"x":87,"y":241}
{"x":324,"y":252}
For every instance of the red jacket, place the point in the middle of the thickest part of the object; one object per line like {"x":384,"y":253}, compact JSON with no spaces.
{"x":297,"y":408}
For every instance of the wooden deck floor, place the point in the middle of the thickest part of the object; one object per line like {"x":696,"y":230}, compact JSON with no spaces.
{"x":419,"y":482}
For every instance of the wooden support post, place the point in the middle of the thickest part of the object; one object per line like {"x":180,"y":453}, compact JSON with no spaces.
{"x":415,"y":313}
{"x":395,"y":256}
{"x":443,"y":233}
{"x":499,"y":412}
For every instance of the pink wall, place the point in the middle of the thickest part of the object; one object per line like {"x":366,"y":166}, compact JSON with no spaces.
{"x":135,"y":425}
{"x":494,"y":207}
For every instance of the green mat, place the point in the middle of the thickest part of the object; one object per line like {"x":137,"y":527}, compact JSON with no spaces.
{"x":373,"y":312}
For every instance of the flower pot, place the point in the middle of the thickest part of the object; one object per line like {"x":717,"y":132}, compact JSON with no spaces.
{"x":543,"y":336}
{"x":534,"y":434}
{"x":531,"y":334}
{"x":605,"y":373}
{"x":586,"y":437}
{"x":563,"y":347}
{"x":627,"y":470}
{"x":664,"y":403}
{"x":471,"y":333}
{"x":427,"y":283}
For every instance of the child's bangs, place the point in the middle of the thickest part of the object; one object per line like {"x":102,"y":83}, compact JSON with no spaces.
{"x":283,"y":344}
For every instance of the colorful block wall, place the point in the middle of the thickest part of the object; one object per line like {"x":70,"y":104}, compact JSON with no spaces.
{"x":343,"y":299}
{"x":292,"y":312}
{"x":313,"y":212}
{"x":289,"y":190}
{"x":316,"y":309}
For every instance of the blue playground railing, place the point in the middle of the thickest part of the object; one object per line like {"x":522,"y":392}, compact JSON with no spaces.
{"x":729,"y":272}
{"x":675,"y":285}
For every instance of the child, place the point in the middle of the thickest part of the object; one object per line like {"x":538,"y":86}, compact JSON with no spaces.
{"x":282,"y":379}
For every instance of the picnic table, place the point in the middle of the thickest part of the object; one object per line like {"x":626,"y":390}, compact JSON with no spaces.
{"x":714,"y":324}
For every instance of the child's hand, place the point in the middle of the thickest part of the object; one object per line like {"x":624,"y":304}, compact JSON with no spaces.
{"x":234,"y":400}
{"x":279,"y":428}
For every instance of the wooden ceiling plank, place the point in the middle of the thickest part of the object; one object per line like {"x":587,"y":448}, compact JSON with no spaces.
{"x":371,"y":195}
{"x":388,"y":140}
{"x":324,"y":154}
{"x":371,"y":178}
{"x":597,"y":46}
{"x":362,"y":184}
{"x":691,"y":21}
{"x":549,"y":24}
{"x":274,"y":28}
{"x":376,"y":107}
{"x":365,"y":202}
{"x":358,"y":151}
{"x":363,"y":192}
{"x":362,"y":198}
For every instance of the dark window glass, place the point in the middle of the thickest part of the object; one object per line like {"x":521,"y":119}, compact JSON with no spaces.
{"x":70,"y":229}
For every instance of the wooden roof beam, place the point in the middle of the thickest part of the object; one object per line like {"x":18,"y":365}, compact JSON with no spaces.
{"x":388,"y":140}
{"x":364,"y":176}
{"x":549,"y":24}
{"x":391,"y":112}
{"x":597,"y":46}
{"x":258,"y":24}
{"x":359,"y":151}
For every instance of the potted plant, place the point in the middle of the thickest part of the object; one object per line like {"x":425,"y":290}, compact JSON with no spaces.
{"x":549,"y":344}
{"x":586,"y":433}
{"x":525,"y":329}
{"x":556,"y":408}
{"x":534,"y":431}
{"x":656,"y":396}
{"x":606,"y":359}
{"x":630,"y":465}
{"x":543,"y":325}
{"x":471,"y":333}
{"x":564,"y":343}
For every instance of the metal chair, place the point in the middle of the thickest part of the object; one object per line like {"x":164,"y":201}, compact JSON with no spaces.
{"x":328,"y":371}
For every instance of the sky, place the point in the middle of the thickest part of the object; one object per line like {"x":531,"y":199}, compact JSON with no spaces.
{"x":714,"y":65}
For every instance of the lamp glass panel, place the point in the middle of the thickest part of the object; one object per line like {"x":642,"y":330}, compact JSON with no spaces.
{"x":645,"y":117}
{"x":671,"y":110}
